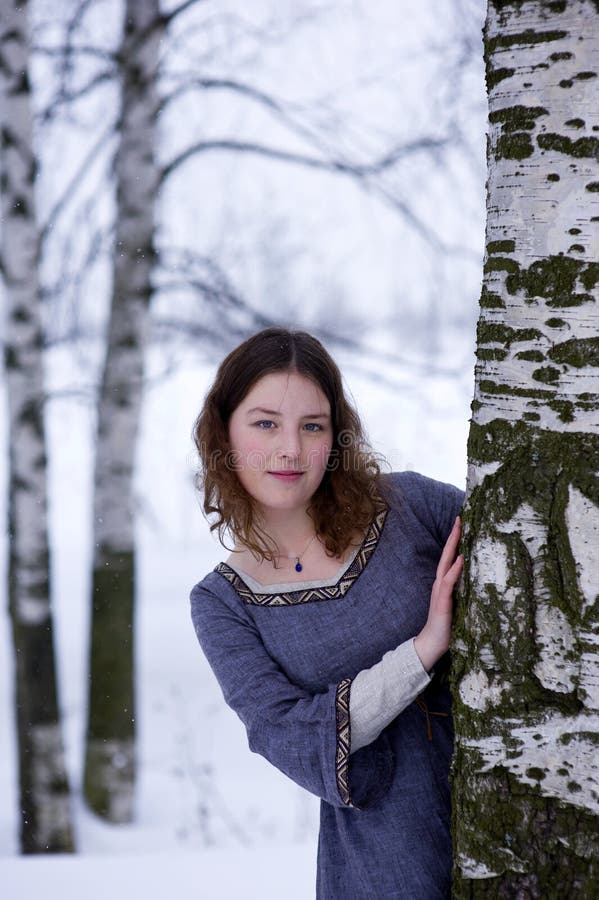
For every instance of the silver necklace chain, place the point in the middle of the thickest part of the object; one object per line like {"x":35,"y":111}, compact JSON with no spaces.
{"x":298,"y":556}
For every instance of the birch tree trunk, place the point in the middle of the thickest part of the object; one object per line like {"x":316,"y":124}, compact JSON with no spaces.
{"x":526,"y":654}
{"x":45,"y":823}
{"x":110,"y":742}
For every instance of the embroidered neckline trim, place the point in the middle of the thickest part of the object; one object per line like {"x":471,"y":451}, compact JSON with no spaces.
{"x":315,"y":594}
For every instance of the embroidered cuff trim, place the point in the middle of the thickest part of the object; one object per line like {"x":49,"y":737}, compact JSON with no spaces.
{"x":343,"y":741}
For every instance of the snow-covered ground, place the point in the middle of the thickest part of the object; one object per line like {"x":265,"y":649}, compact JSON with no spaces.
{"x":256,"y":874}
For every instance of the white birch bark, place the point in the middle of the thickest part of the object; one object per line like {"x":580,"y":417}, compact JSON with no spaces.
{"x":45,"y":819}
{"x":526,"y":654}
{"x":110,"y":744}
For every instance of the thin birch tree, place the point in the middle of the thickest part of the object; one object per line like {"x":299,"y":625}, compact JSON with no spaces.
{"x":110,"y":759}
{"x":526,"y":650}
{"x":44,"y":803}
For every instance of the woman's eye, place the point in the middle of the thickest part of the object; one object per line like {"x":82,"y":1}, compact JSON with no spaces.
{"x":266,"y":424}
{"x":313,"y":426}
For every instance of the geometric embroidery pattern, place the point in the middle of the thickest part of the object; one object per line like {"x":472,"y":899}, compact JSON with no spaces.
{"x":311,"y":595}
{"x":343,"y":740}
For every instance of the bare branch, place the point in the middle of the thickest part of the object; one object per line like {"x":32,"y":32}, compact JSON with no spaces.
{"x":159,"y":22}
{"x":217,"y":289}
{"x":167,"y":18}
{"x":65,"y":97}
{"x":78,"y":177}
{"x":282,"y":111}
{"x":355,"y":170}
{"x":77,"y":50}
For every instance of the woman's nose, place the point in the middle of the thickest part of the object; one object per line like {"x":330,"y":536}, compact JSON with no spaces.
{"x":290,"y":444}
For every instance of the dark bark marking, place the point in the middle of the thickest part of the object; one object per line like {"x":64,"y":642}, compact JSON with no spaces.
{"x":577,"y":352}
{"x":523,"y":38}
{"x":501,"y":247}
{"x":583,"y":148}
{"x":547,"y":374}
{"x":555,"y":279}
{"x":490,"y":300}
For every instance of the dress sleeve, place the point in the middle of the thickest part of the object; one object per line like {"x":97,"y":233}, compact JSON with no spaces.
{"x":444,"y":502}
{"x":306,"y":736}
{"x":435,"y":503}
{"x":381,"y":693}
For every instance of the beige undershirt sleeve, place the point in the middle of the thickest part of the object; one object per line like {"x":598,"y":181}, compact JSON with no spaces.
{"x":380,"y":693}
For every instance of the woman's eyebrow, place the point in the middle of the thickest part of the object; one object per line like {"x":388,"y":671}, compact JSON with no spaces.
{"x":277,"y":412}
{"x":260,"y":409}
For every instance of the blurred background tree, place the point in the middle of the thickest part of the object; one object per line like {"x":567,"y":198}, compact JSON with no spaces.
{"x":44,"y":801}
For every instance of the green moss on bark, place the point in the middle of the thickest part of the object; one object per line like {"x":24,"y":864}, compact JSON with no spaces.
{"x":564,"y":408}
{"x":531,"y":355}
{"x":499,"y":820}
{"x":491,"y":300}
{"x":516,"y":121}
{"x":501,"y":264}
{"x":495,"y":387}
{"x":516,"y":145}
{"x":487,"y":354}
{"x":583,"y":148}
{"x":535,"y":862}
{"x":494,"y":76}
{"x":501,"y":247}
{"x":547,"y":374}
{"x":528,"y":37}
{"x":556,"y":279}
{"x":111,"y":708}
{"x":577,"y":352}
{"x":496,"y":332}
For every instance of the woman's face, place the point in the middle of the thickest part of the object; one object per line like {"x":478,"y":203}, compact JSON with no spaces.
{"x":281,"y":436}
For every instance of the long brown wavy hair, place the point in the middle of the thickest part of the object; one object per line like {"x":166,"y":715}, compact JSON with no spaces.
{"x":347,"y":498}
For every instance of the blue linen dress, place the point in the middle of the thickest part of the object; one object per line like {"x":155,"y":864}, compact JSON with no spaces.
{"x":285,"y":663}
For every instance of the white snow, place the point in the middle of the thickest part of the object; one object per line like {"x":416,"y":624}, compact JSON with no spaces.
{"x":256,"y":874}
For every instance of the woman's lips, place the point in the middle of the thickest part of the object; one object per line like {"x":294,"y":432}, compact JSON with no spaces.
{"x":287,"y":476}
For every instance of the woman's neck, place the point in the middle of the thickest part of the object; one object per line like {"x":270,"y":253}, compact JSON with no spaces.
{"x":289,"y":530}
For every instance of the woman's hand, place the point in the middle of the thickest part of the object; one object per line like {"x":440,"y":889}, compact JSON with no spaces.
{"x":433,"y":640}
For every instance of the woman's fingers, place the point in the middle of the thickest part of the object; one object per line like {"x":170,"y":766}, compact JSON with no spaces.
{"x":434,"y":638}
{"x":442,"y":596}
{"x":454,"y":571}
{"x":450,"y":549}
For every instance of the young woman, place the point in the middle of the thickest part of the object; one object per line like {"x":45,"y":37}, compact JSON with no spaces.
{"x":325,"y":622}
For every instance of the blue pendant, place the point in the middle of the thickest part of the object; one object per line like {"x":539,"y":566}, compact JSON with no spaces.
{"x":298,"y":566}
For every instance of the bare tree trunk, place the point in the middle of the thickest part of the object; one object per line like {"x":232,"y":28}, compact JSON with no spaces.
{"x":110,"y":746}
{"x":526,"y":648}
{"x":45,"y":824}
